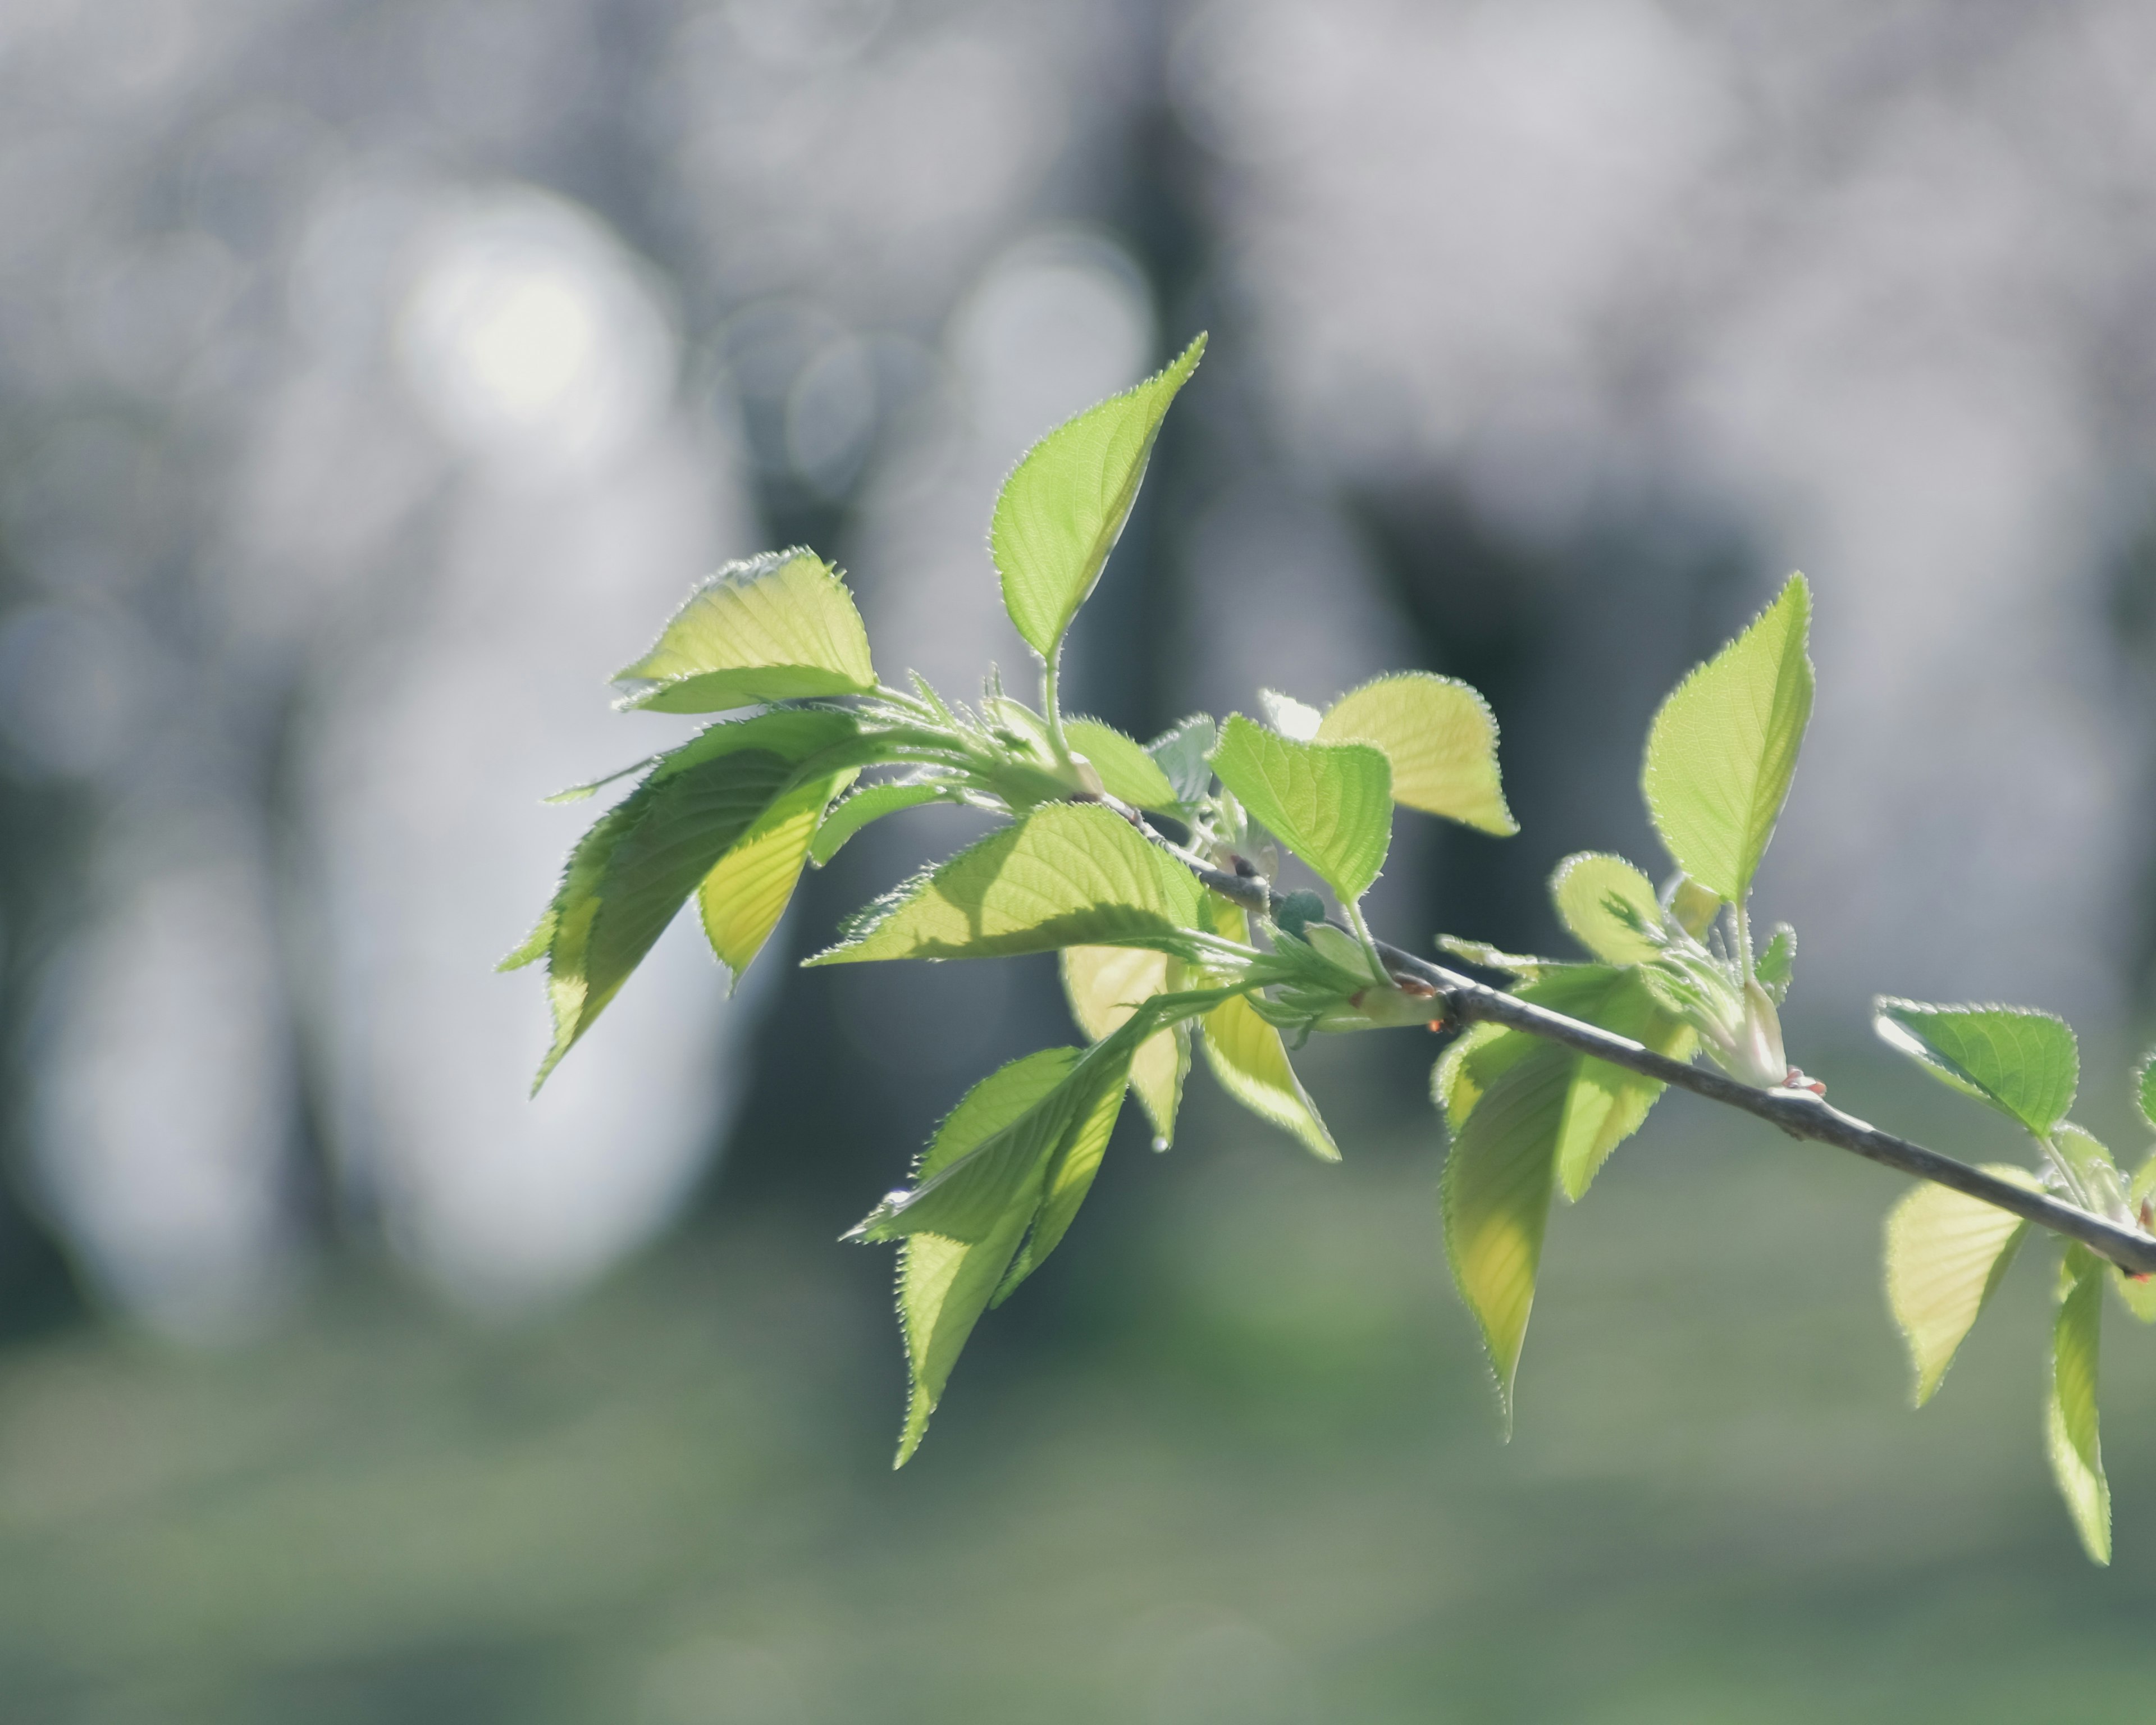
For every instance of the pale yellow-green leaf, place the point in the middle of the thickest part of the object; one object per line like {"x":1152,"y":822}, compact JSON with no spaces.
{"x":1104,"y":985}
{"x":2070,"y":1406}
{"x":1331,"y":803}
{"x":778,"y":627}
{"x":1946,"y":1256}
{"x":1441,"y":739}
{"x":1248,"y":1060}
{"x":1063,"y":506}
{"x":745,"y":895}
{"x":2139,"y":1291}
{"x":2021,"y":1061}
{"x":1581,"y":887}
{"x":1127,"y":772}
{"x":1722,"y":749}
{"x":1064,"y":874}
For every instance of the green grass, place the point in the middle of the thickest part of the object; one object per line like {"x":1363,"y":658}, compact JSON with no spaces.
{"x":1234,"y":1457}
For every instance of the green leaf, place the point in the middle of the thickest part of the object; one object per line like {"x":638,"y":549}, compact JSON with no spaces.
{"x":1184,"y":752}
{"x":1249,"y":1061}
{"x":1441,"y":739}
{"x":1288,"y":717}
{"x":2070,"y":1405}
{"x":778,"y":627}
{"x":631,"y":873}
{"x":945,"y":1284}
{"x":870,"y":804}
{"x":1722,"y":749}
{"x":1066,"y":874}
{"x":1583,"y":887}
{"x":1331,"y":803}
{"x":1778,"y":965}
{"x":1105,"y":986}
{"x":2023,"y":1062}
{"x":1496,"y":1198}
{"x":749,"y":888}
{"x":1063,"y":506}
{"x":2144,"y":1086}
{"x":1946,"y":1256}
{"x":1127,"y":772}
{"x":2139,"y":1291}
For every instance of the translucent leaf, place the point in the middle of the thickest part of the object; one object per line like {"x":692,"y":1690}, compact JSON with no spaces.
{"x":1778,"y":963}
{"x":1331,"y":803}
{"x":1104,"y":986}
{"x":1063,"y":506}
{"x":1291,"y":717}
{"x":868,"y":805}
{"x":2023,"y":1062}
{"x":1524,"y":965}
{"x":1946,"y":1256}
{"x":1249,"y":1061}
{"x":1070,"y":1177}
{"x":778,"y":627}
{"x":1442,"y":742}
{"x":945,"y":1284}
{"x":2139,"y":1291}
{"x":1581,"y":887}
{"x":1065,"y":875}
{"x":2145,"y":1087}
{"x":1495,"y":1199}
{"x":2070,"y":1405}
{"x":632,"y":872}
{"x":1184,"y":752}
{"x":1689,"y":905}
{"x":1722,"y":748}
{"x":748,"y":890}
{"x":1127,"y":772}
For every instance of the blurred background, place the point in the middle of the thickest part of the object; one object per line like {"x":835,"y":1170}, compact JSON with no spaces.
{"x":374,"y":378}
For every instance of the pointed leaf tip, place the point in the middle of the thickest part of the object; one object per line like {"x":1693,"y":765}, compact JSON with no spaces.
{"x":1331,"y":803}
{"x":2021,"y":1061}
{"x":1441,"y":739}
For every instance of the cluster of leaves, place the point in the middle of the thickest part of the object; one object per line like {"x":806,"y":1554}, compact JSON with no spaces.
{"x":1149,"y":869}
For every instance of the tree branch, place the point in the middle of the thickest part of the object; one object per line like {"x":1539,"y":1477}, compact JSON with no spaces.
{"x":1799,"y":1113}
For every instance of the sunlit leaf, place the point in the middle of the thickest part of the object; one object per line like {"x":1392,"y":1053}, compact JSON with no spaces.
{"x":1778,"y":963}
{"x":778,"y":627}
{"x":1583,"y":887}
{"x":1066,"y":874}
{"x":1442,"y":742}
{"x":2145,"y":1087}
{"x":1105,"y":985}
{"x":869,"y":804}
{"x":2023,"y":1062}
{"x":2070,"y":1405}
{"x":2139,"y":1291}
{"x":1291,"y":717}
{"x":1331,"y":803}
{"x":1945,"y":1254}
{"x":749,"y":888}
{"x":1063,"y":506}
{"x":1184,"y":752}
{"x":1249,"y":1061}
{"x":1127,"y":772}
{"x":1723,"y":748}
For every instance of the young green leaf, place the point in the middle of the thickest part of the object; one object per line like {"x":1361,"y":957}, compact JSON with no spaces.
{"x":1331,"y":803}
{"x":1249,"y":1061}
{"x":1127,"y":772}
{"x":778,"y":627}
{"x":1777,"y":964}
{"x":945,"y":1284}
{"x":1495,"y":1199}
{"x":2139,"y":1291}
{"x":1105,"y":985}
{"x":1441,"y":739}
{"x":631,"y":874}
{"x":1067,"y":874}
{"x":1584,"y":886}
{"x":870,"y":804}
{"x":2144,"y":1086}
{"x":1946,"y":1256}
{"x":1063,"y":506}
{"x":1288,"y":717}
{"x":749,"y":888}
{"x":2023,"y":1062}
{"x":2070,"y":1406}
{"x":1184,"y":753}
{"x":1723,"y":747}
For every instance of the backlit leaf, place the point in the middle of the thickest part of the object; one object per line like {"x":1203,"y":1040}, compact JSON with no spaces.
{"x":2023,"y":1062}
{"x":1065,"y":875}
{"x":1583,"y":885}
{"x":2139,"y":1291}
{"x":1291,"y":717}
{"x":1063,"y":506}
{"x":2145,"y":1087}
{"x":1723,"y":748}
{"x":1945,"y":1254}
{"x":1331,"y":803}
{"x":1442,"y":742}
{"x":778,"y":627}
{"x":1777,"y":963}
{"x":1249,"y":1061}
{"x":2070,"y":1405}
{"x":1127,"y":772}
{"x":1184,"y":752}
{"x":869,"y":804}
{"x":1104,"y":985}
